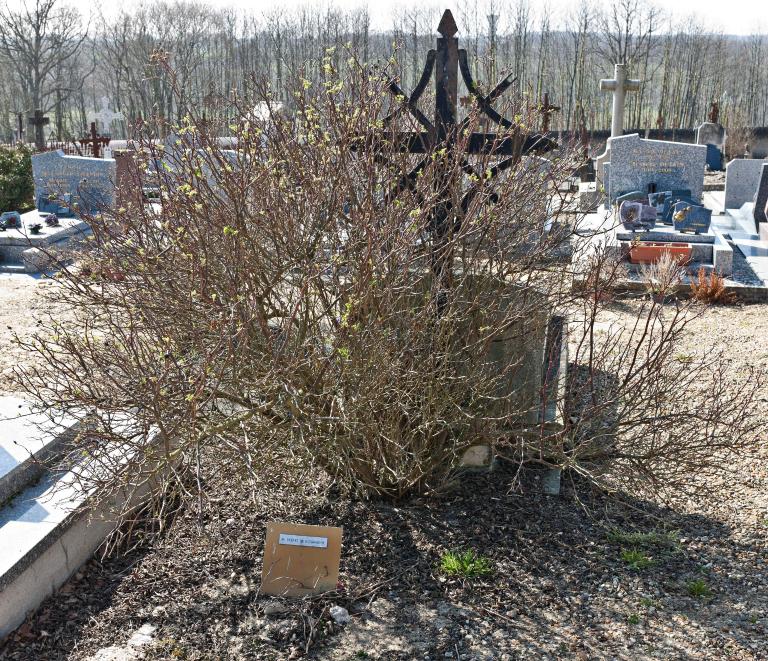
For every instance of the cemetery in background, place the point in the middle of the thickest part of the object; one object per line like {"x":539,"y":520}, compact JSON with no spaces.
{"x":683,"y":65}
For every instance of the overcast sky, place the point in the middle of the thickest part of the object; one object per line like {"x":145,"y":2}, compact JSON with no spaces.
{"x":730,"y":16}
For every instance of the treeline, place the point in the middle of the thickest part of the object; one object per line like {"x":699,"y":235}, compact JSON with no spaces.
{"x":54,"y":58}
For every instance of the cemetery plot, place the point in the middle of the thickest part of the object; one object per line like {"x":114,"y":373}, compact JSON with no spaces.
{"x":365,"y":347}
{"x":66,"y":189}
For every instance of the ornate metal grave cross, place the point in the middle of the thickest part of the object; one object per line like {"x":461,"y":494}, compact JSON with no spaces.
{"x":20,"y":129}
{"x":38,"y":120}
{"x":442,"y":134}
{"x":714,"y":112}
{"x":446,"y":61}
{"x":95,"y":140}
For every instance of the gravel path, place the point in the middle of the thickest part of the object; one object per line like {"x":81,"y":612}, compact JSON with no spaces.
{"x":562,"y":587}
{"x":21,"y":305}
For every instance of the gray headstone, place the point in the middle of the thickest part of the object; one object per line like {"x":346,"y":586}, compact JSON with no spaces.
{"x":742,"y":176}
{"x":710,"y":134}
{"x":761,"y":197}
{"x":714,"y":158}
{"x":636,"y":164}
{"x":541,"y":165}
{"x":89,"y":181}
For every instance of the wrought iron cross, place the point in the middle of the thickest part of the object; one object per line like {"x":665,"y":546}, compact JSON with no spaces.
{"x":546,"y":110}
{"x":443,"y":131}
{"x":714,"y":112}
{"x":38,"y":120}
{"x":95,"y":140}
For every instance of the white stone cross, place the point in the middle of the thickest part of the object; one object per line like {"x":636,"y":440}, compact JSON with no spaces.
{"x":105,"y":116}
{"x":619,"y":85}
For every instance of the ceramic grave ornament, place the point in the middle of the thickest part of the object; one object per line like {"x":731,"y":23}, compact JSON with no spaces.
{"x":691,"y":218}
{"x":657,"y":200}
{"x":668,"y":209}
{"x":10,"y":219}
{"x":637,"y":216}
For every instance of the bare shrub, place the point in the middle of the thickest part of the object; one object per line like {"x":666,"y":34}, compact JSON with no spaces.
{"x":710,"y":288}
{"x":643,"y":415}
{"x":664,"y":275}
{"x":293,"y":303}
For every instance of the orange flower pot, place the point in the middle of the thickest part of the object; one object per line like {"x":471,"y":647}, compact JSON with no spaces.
{"x":650,"y":252}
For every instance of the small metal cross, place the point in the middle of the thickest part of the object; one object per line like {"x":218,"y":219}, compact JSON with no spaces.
{"x":38,"y":120}
{"x":545,"y":109}
{"x":95,"y":140}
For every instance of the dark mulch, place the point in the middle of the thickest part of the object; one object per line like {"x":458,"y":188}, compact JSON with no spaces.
{"x":560,"y":587}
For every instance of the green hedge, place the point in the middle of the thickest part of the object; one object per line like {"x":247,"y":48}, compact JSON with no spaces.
{"x":16,"y":187}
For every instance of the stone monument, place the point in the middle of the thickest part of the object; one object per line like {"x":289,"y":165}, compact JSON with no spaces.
{"x":650,"y":166}
{"x":68,"y":185}
{"x":761,"y":198}
{"x":712,"y":133}
{"x":105,"y":116}
{"x":742,"y":176}
{"x":619,"y":85}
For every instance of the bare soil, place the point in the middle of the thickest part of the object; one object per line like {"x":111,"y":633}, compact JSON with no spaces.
{"x":22,"y":304}
{"x":563,"y":586}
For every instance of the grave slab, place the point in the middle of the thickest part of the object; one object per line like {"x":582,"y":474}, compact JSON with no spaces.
{"x":26,"y":438}
{"x":15,"y":242}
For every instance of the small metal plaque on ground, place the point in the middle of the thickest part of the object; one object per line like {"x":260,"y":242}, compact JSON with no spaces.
{"x":300,"y":560}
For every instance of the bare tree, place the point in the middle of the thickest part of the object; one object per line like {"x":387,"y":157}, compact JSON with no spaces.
{"x":38,"y":40}
{"x":564,"y":54}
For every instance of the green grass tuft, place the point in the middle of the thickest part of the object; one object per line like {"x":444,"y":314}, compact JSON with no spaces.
{"x":466,"y":564}
{"x":644,"y":539}
{"x":647,"y":602}
{"x":636,"y":559}
{"x":698,"y":588}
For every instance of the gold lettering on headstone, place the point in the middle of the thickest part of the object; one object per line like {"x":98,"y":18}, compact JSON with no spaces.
{"x":661,"y":167}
